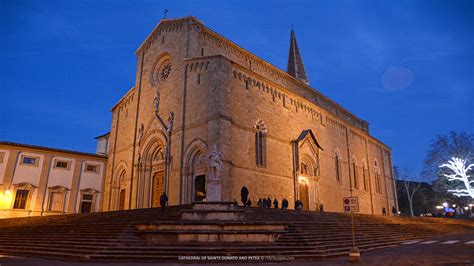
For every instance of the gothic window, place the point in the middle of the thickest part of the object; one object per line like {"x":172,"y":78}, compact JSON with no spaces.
{"x":260,"y":143}
{"x":337,"y":164}
{"x":354,"y":173}
{"x":161,"y":70}
{"x":365,"y":176}
{"x":377,"y":178}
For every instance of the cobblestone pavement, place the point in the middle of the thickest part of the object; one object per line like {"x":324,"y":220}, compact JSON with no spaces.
{"x":446,"y":250}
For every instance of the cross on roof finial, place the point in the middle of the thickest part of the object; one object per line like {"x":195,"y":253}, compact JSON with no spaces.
{"x":165,"y":12}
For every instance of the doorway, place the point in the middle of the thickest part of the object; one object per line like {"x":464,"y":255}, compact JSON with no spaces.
{"x":158,"y":188}
{"x":122,"y":199}
{"x":200,"y":188}
{"x":304,"y":195}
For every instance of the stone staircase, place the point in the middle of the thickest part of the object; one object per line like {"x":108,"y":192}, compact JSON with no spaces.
{"x":113,"y":236}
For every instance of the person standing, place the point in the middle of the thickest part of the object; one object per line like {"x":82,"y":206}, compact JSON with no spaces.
{"x":284,"y":204}
{"x":244,"y":194}
{"x":269,"y":202}
{"x":249,"y":203}
{"x":394,"y":211}
{"x":275,"y":203}
{"x":260,"y":203}
{"x":163,"y":200}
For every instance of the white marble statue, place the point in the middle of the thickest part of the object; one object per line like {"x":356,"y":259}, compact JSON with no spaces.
{"x":213,"y":177}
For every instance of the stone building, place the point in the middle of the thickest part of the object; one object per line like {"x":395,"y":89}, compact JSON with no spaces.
{"x":45,"y":181}
{"x":277,"y":136}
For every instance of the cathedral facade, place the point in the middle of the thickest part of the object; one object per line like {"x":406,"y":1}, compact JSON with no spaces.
{"x":196,"y":90}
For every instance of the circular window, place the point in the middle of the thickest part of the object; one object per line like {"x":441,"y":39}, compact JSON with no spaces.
{"x":161,"y":72}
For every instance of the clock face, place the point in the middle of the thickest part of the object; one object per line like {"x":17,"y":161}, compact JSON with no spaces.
{"x":161,"y":72}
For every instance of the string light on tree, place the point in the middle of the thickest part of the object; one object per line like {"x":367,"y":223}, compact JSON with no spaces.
{"x":458,"y":166}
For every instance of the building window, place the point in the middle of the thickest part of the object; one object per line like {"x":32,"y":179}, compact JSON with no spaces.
{"x":260,"y":144}
{"x":20,"y":199}
{"x":55,"y":201}
{"x":354,"y":173}
{"x":86,"y":203}
{"x":61,"y":164}
{"x":337,"y":164}
{"x":92,"y":168}
{"x":364,"y":176}
{"x":29,"y":160}
{"x":377,"y":178}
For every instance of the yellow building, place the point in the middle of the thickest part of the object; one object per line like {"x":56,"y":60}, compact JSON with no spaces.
{"x":44,"y":181}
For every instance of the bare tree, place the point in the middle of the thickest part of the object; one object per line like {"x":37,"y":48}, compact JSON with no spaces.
{"x":458,"y":166}
{"x":410,"y":184}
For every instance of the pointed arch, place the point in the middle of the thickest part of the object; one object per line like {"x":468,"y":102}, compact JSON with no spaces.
{"x":337,"y":164}
{"x":354,"y":168}
{"x":260,"y":143}
{"x":365,"y":175}
{"x":378,"y":188}
{"x":195,"y":170}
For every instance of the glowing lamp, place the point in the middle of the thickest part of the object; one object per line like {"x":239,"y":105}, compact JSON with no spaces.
{"x":466,"y":208}
{"x":470,"y":205}
{"x":439,"y":207}
{"x":445,"y":204}
{"x":8,"y":192}
{"x":454,"y":205}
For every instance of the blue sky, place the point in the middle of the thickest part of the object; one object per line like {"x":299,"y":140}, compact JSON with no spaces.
{"x":406,"y":67}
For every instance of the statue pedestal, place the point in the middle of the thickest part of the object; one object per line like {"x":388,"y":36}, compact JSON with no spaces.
{"x":213,"y":211}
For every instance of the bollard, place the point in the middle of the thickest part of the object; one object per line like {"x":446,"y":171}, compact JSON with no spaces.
{"x":354,"y":255}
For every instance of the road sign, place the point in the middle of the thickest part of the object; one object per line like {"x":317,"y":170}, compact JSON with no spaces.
{"x":351,"y":204}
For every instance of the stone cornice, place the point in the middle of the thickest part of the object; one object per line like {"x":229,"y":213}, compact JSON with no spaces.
{"x":125,"y":99}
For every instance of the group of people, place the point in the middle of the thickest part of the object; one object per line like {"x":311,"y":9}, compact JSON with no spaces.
{"x":262,"y":202}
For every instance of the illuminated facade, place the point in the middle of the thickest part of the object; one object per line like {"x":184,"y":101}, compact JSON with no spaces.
{"x":278,"y":136}
{"x":44,"y":181}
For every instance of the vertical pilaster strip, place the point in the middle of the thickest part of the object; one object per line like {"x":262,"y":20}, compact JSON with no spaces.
{"x":43,"y":183}
{"x":368,"y":176}
{"x":10,"y":169}
{"x":135,"y":134}
{"x":385,"y":180}
{"x":76,"y":178}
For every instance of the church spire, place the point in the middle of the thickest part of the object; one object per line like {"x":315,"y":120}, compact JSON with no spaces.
{"x":295,"y":63}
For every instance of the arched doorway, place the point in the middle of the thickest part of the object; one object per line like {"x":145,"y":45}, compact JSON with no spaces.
{"x":195,"y":181}
{"x":303,"y":194}
{"x":158,"y":188}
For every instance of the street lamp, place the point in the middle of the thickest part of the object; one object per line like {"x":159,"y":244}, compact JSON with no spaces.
{"x":445,"y":204}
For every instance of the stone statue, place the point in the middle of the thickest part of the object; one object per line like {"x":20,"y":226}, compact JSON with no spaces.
{"x":140,"y":132}
{"x":213,"y":177}
{"x":170,"y":122}
{"x":156,"y":102}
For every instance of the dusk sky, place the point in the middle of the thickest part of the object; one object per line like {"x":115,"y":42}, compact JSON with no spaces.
{"x":406,"y":67}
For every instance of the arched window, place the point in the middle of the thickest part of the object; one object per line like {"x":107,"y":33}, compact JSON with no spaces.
{"x":260,"y":143}
{"x":365,"y":174}
{"x":354,"y":174}
{"x":377,"y":178}
{"x":337,"y":164}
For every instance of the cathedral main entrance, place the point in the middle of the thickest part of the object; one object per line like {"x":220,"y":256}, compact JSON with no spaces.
{"x":304,"y":194}
{"x":158,"y":188}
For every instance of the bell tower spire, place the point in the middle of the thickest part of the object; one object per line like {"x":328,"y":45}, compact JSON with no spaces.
{"x":295,"y":63}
